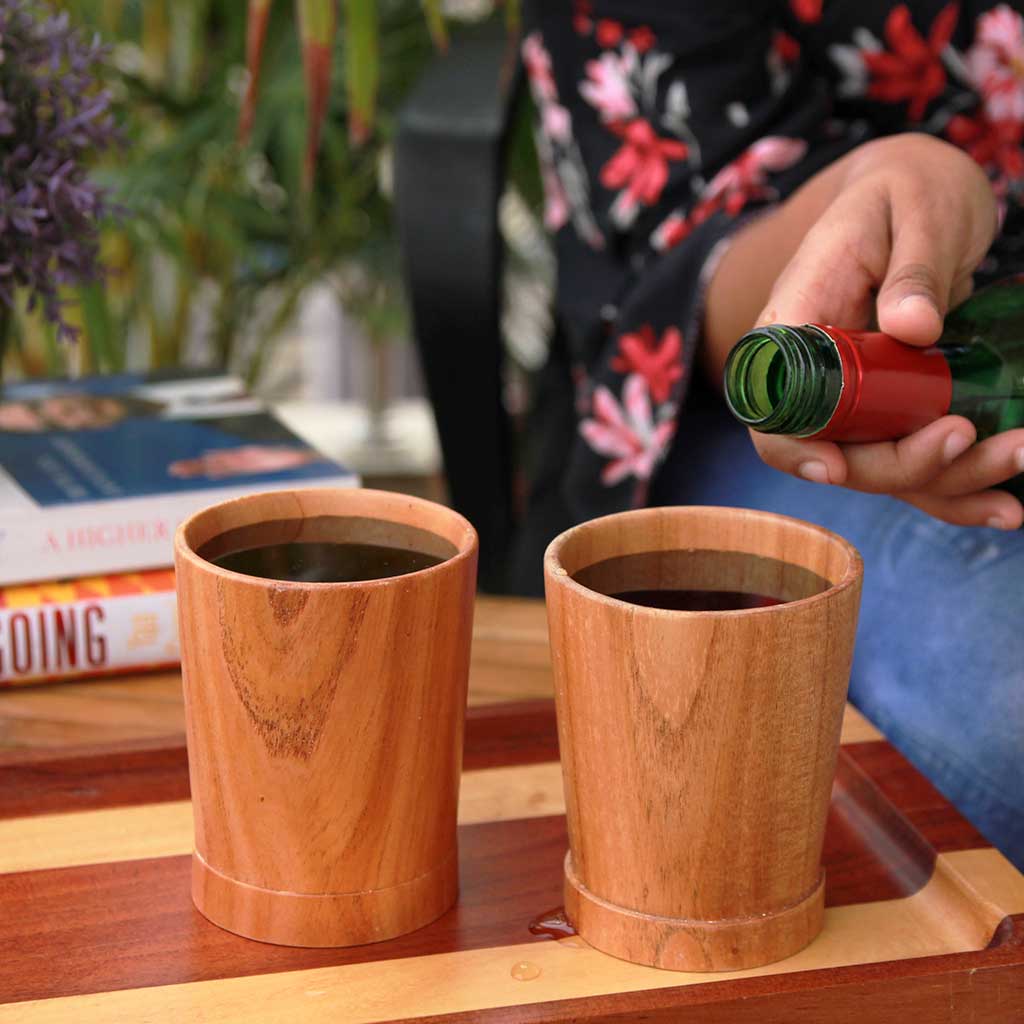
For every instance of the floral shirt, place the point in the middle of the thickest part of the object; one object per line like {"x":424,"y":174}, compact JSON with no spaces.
{"x":663,"y":126}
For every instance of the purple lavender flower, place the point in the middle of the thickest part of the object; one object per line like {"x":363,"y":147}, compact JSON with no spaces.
{"x":53,"y":117}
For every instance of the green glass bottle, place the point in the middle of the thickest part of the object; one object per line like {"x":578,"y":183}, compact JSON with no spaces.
{"x":826,"y":383}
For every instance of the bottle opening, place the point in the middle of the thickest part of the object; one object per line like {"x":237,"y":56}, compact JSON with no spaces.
{"x":766,"y":376}
{"x":784,"y":380}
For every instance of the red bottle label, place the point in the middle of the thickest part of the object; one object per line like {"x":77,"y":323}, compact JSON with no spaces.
{"x":889,"y":389}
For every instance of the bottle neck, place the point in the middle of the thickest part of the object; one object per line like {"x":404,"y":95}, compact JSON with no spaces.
{"x":835,"y":385}
{"x":784,"y":380}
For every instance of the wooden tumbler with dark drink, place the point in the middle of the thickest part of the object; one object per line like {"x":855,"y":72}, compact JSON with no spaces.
{"x":325,"y":647}
{"x":701,"y":660}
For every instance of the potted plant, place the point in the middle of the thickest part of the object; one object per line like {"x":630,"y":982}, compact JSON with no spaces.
{"x":54,"y":117}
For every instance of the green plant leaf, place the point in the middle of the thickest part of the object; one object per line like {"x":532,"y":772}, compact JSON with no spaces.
{"x":436,"y":23}
{"x":362,"y":66}
{"x":268,"y":335}
{"x":513,"y":16}
{"x":156,"y":39}
{"x":206,"y":215}
{"x":317,"y":25}
{"x":56,"y":363}
{"x":255,"y":36}
{"x":108,"y":352}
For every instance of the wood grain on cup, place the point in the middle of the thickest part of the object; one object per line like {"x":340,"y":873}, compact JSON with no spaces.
{"x":325,"y":724}
{"x":698,"y":748}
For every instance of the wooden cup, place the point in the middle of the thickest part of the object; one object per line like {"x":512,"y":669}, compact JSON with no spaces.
{"x":325,"y":720}
{"x":698,"y":748}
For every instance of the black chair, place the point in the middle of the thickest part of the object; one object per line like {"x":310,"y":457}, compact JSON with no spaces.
{"x":449,"y":173}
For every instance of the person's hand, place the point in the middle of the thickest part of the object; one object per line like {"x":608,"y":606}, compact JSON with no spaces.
{"x":910,"y":219}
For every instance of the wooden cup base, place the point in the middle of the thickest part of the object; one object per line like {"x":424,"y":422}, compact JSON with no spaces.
{"x":679,"y":944}
{"x":329,"y":919}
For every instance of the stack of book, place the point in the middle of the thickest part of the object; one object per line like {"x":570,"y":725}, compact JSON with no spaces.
{"x":95,"y":475}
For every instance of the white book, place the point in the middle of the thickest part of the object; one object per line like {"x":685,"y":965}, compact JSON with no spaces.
{"x":93,"y":626}
{"x":97,"y":473}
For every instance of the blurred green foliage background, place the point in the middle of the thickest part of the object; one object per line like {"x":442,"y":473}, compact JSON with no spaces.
{"x":216,"y":241}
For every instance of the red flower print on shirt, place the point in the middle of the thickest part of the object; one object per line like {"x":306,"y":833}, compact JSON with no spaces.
{"x":747,"y":176}
{"x":911,"y":69}
{"x":671,"y":231}
{"x":731,"y":202}
{"x":736,"y":184}
{"x":996,"y":63}
{"x":639,"y":167}
{"x":996,"y":145}
{"x":808,"y":11}
{"x":785,"y":47}
{"x":581,"y":17}
{"x":627,"y":433}
{"x":608,"y":33}
{"x":642,"y":38}
{"x":658,"y":362}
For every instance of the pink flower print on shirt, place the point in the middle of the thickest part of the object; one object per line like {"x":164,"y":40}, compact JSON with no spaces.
{"x":537,"y":62}
{"x":607,"y":88}
{"x":627,"y":433}
{"x":556,"y":203}
{"x":747,"y":176}
{"x":996,"y":63}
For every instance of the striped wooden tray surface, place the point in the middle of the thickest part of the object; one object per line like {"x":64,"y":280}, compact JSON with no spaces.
{"x":96,"y":923}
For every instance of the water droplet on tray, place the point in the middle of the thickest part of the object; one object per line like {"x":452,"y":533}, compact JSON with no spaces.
{"x":525,"y":971}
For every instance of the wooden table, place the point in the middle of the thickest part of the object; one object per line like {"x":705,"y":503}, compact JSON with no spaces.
{"x":925,"y":919}
{"x":510,"y":662}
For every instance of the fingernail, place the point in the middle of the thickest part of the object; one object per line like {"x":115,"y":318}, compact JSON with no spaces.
{"x":917,"y":297}
{"x":997,"y":524}
{"x":814,"y":470}
{"x":1018,"y":459}
{"x":956,"y":444}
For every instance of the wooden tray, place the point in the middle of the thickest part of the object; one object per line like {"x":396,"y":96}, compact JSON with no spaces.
{"x":96,"y":924}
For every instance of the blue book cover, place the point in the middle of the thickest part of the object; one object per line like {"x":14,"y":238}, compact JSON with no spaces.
{"x":128,"y":456}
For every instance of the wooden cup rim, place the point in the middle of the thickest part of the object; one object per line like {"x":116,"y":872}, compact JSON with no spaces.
{"x":390,"y":506}
{"x":558,"y":551}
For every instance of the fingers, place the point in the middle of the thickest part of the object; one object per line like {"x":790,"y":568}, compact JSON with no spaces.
{"x":995,"y":509}
{"x":988,"y":464}
{"x":915,"y":293}
{"x":938,"y":237}
{"x":962,"y":290}
{"x":833,"y":275}
{"x":912,"y":303}
{"x":885,"y":467}
{"x":898,"y":228}
{"x":818,"y":461}
{"x":911,"y":463}
{"x":935,"y":469}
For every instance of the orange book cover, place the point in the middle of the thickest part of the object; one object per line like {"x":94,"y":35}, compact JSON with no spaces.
{"x":91,"y":626}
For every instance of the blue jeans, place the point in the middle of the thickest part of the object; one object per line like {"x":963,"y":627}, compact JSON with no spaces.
{"x":939,"y":663}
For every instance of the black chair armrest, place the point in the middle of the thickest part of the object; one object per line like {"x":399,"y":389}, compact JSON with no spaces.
{"x":448,"y":180}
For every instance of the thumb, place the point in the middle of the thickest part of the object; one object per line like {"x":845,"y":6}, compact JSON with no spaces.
{"x":914,"y":296}
{"x":821,"y":283}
